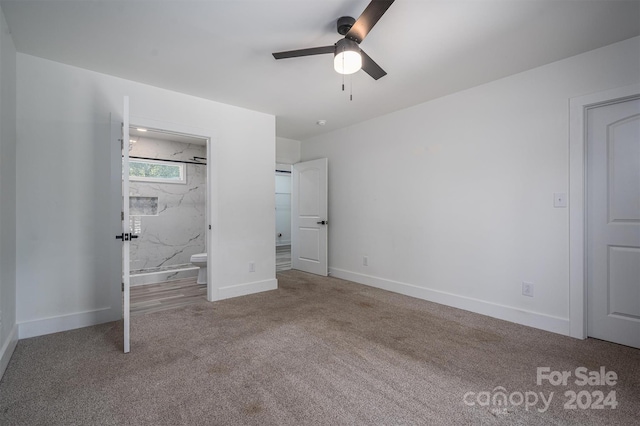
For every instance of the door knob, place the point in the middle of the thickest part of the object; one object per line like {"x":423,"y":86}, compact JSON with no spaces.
{"x":324,"y":222}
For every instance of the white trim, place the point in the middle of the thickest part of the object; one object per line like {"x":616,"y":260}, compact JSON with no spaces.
{"x":126,"y":244}
{"x":247,"y":288}
{"x":507,"y":313}
{"x":577,"y":157}
{"x":211,"y":239}
{"x":7,"y":349}
{"x":50,"y":325}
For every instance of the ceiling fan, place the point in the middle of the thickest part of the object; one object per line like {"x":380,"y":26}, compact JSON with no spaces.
{"x":348,"y":57}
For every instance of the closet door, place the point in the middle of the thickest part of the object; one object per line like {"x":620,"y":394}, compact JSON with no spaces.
{"x":613,"y":222}
{"x":309,"y":210}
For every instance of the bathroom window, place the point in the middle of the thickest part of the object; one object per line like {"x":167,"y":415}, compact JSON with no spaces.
{"x":157,"y":171}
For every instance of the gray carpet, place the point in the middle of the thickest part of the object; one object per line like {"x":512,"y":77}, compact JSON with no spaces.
{"x":315,"y":351}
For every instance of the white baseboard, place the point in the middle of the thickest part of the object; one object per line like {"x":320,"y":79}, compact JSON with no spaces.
{"x":507,"y":313}
{"x":8,"y":346}
{"x":246,"y":288}
{"x":50,"y":325}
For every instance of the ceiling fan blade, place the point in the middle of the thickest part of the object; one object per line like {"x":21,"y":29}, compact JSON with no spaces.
{"x":368,"y":19}
{"x":305,"y":52}
{"x":370,"y":67}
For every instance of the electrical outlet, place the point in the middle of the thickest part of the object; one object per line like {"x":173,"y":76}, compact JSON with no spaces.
{"x":252,"y":266}
{"x":527,"y":289}
{"x":365,"y":260}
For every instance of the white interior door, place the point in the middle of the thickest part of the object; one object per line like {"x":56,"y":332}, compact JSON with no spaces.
{"x":309,"y":219}
{"x":126,"y":231}
{"x":613,"y":222}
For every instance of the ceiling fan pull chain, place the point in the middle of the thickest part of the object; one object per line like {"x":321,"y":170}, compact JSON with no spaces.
{"x":343,"y":74}
{"x":351,"y":87}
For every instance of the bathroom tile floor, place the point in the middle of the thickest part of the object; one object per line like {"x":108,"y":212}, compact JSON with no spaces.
{"x":149,"y":298}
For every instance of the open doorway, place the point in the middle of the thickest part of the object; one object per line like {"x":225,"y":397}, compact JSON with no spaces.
{"x":167,"y":214}
{"x":283,"y":217}
{"x":302,"y":216}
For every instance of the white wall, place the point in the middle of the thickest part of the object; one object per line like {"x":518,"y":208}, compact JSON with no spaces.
{"x":451,"y":200}
{"x":8,"y":329}
{"x":287,"y":151}
{"x":66,"y":250}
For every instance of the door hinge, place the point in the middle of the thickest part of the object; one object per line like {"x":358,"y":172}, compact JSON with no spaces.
{"x":121,"y":215}
{"x":122,"y":286}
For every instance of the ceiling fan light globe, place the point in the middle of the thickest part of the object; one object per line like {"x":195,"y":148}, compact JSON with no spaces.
{"x":347,"y":62}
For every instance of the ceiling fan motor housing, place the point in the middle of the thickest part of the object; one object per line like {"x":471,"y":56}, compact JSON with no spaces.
{"x":344,"y":24}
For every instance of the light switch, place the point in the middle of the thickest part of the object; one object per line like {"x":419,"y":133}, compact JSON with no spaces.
{"x":559,"y":199}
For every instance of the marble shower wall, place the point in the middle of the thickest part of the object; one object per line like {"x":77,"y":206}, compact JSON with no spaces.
{"x":177,"y":230}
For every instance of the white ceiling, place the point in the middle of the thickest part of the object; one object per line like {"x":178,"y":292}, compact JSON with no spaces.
{"x":221,"y":49}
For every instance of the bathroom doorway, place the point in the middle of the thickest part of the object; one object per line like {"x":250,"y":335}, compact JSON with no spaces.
{"x":168,"y":214}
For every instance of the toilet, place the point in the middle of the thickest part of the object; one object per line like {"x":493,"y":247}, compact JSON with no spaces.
{"x":200,"y":260}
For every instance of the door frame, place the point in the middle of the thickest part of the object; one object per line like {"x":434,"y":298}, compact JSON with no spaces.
{"x":288,"y":173}
{"x":211,"y":207}
{"x":578,"y":108}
